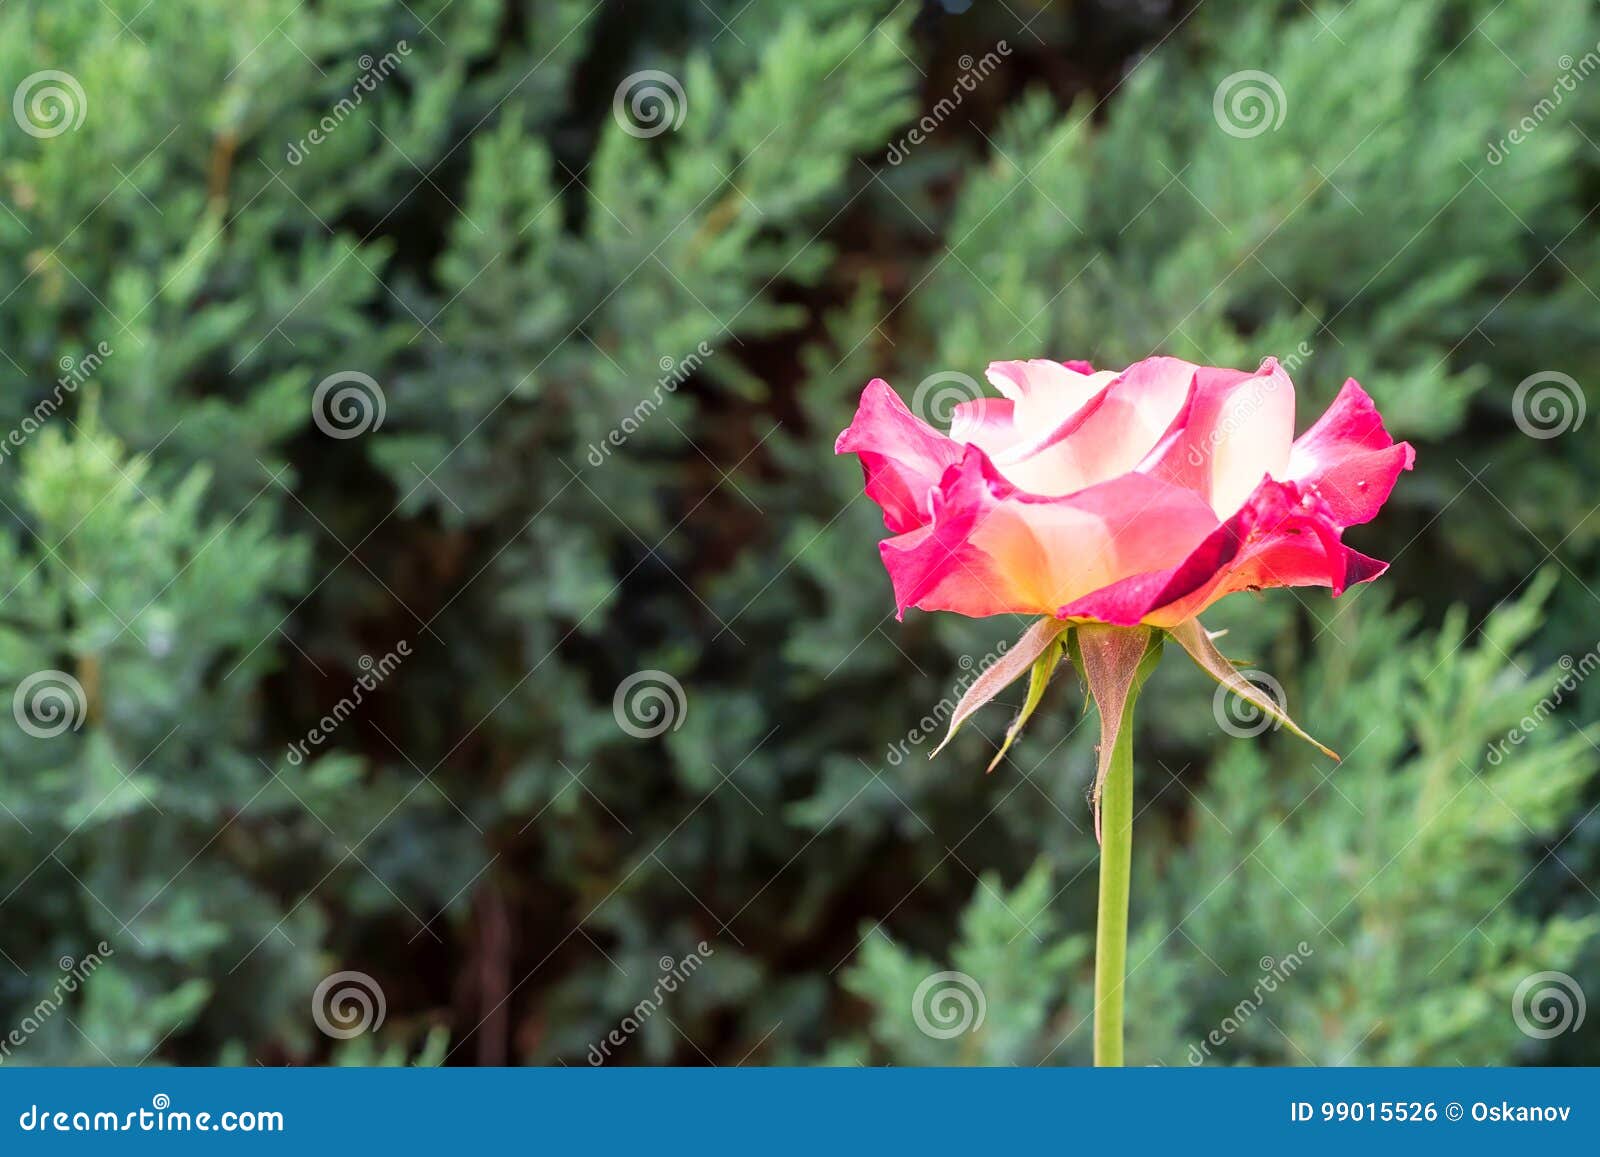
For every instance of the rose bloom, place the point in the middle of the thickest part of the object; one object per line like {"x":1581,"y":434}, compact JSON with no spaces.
{"x":1124,"y":498}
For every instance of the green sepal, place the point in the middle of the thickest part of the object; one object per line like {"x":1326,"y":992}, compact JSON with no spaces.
{"x":1038,"y":679}
{"x":1195,"y":639}
{"x":1115,"y":662}
{"x":1004,"y":671}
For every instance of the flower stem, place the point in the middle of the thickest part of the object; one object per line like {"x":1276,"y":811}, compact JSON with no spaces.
{"x":1116,"y":869}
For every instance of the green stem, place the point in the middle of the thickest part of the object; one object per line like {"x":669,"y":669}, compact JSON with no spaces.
{"x":1116,"y":869}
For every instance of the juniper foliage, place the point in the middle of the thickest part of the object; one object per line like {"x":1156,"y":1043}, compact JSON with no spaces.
{"x":612,"y":364}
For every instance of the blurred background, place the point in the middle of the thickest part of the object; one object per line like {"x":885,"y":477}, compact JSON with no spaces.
{"x":437,"y":630}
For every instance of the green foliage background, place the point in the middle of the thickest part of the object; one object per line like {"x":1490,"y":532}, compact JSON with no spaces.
{"x":481,"y":237}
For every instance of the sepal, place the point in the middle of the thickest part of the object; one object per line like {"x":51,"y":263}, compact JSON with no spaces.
{"x":1004,"y":671}
{"x":1197,"y":641}
{"x":1114,"y":662}
{"x":1038,"y":679}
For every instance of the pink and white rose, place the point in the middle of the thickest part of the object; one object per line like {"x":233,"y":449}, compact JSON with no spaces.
{"x":1133,"y":497}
